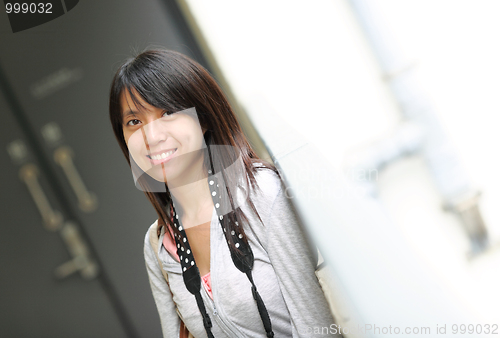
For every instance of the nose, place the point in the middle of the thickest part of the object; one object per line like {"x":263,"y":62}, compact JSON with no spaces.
{"x":154,"y":132}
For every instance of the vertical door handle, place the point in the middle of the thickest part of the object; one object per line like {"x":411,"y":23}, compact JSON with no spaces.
{"x":52,"y":219}
{"x":87,"y":201}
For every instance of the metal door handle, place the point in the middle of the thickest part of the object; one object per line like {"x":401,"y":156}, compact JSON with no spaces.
{"x":78,"y":249}
{"x":52,"y":219}
{"x":87,"y":201}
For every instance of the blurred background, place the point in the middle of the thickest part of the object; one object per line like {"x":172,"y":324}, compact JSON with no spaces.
{"x":380,"y":115}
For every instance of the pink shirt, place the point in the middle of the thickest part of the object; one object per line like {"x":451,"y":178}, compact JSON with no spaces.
{"x":169,"y":245}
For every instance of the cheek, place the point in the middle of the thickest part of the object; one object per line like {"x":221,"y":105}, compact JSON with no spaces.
{"x":192,"y":141}
{"x":190,"y":132}
{"x":135,"y":143}
{"x":196,"y":137}
{"x":126,"y":135}
{"x":127,"y":141}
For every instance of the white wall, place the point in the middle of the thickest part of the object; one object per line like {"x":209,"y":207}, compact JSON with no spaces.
{"x":309,"y":61}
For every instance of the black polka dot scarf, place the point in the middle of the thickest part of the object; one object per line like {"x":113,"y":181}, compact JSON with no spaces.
{"x":241,"y":254}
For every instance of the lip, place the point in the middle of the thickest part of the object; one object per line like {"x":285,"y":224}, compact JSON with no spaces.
{"x":163,"y":160}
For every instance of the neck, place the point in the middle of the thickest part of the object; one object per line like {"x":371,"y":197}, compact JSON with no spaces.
{"x":191,"y":200}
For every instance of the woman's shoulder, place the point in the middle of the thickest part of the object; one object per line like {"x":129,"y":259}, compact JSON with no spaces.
{"x":266,"y":173}
{"x":152,"y":228}
{"x":152,"y":231}
{"x":268,"y":188}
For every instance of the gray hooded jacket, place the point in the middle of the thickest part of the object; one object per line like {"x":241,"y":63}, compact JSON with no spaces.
{"x":284,"y":273}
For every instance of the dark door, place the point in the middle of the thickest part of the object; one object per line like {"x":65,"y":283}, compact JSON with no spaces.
{"x":55,"y":82}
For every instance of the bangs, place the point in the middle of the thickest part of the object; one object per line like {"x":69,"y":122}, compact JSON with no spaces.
{"x":160,"y":87}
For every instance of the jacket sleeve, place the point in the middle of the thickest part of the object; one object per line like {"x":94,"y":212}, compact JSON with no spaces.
{"x":295,"y":263}
{"x":170,"y":322}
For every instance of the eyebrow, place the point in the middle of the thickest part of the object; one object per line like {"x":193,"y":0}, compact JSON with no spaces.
{"x":128,"y":113}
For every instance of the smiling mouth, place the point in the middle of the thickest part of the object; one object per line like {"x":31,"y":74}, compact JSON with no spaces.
{"x":161,"y":157}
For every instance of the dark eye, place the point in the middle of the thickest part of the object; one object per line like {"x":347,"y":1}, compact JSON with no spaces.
{"x":166,"y":113}
{"x":133,"y":122}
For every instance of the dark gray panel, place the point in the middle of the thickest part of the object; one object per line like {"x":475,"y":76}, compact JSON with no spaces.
{"x":33,"y":302}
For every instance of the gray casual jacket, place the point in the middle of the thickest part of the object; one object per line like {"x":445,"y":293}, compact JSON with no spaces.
{"x":283,"y":273}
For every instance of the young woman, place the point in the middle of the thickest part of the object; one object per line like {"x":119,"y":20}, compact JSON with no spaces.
{"x":232,"y":260}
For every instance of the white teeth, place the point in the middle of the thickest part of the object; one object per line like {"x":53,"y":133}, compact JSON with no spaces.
{"x":163,"y":155}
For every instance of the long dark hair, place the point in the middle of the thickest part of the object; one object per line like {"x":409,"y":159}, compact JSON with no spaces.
{"x":169,"y":80}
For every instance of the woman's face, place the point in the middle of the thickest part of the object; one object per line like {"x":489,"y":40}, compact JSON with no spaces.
{"x":165,"y":145}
